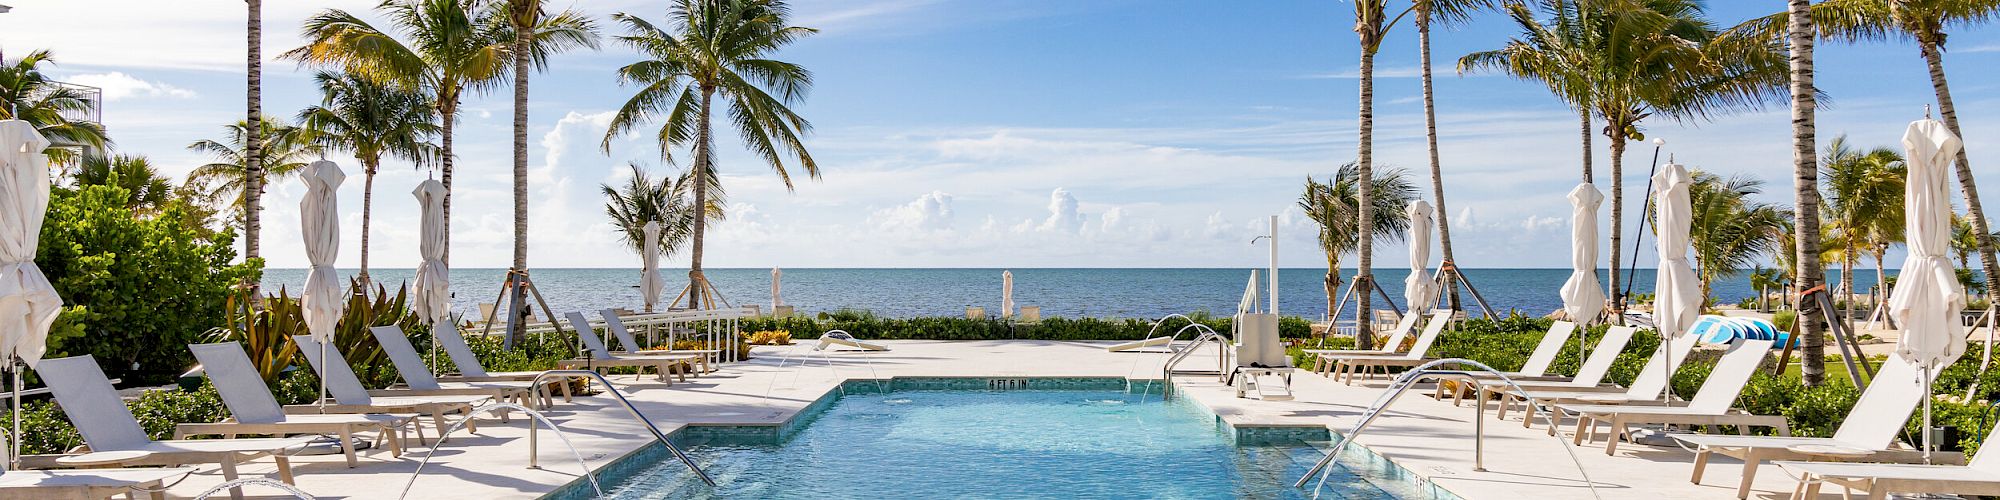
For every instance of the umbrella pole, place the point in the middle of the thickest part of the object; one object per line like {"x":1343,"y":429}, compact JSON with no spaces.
{"x":322,"y":379}
{"x":14,"y":444}
{"x":1928,"y":445}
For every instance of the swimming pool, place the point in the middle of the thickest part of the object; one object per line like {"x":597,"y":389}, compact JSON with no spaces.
{"x":910,"y":439}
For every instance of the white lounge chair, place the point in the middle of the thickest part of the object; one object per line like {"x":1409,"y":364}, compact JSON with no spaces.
{"x":107,"y":425}
{"x":469,"y":369}
{"x":418,"y":377}
{"x":1260,"y":355}
{"x":1648,"y":386}
{"x":1534,"y":368}
{"x":1589,"y":376}
{"x":842,"y":338}
{"x":1392,"y":345}
{"x":253,"y":410}
{"x":1348,"y":364}
{"x":664,"y":366}
{"x":349,"y":396}
{"x":1979,"y":477}
{"x":87,"y":484}
{"x":1871,"y":426}
{"x":615,"y":325}
{"x":1710,"y":406}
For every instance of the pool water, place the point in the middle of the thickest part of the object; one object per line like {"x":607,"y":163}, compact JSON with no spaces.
{"x":995,"y":444}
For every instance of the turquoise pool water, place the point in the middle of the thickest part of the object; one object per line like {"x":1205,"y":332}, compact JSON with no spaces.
{"x":988,"y":444}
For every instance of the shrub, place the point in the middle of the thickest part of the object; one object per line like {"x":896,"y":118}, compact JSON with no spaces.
{"x":45,"y":429}
{"x":771,"y":337}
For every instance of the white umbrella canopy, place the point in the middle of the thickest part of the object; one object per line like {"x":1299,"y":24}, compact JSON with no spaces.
{"x":28,"y":303}
{"x":1927,"y":297}
{"x":776,"y":300}
{"x":319,"y":221}
{"x":1677,"y":296}
{"x":1419,"y":290}
{"x":1006,"y":293}
{"x":1582,"y":295}
{"x":649,"y":278}
{"x":433,"y":282}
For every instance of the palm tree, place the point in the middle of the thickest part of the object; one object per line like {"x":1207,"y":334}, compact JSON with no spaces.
{"x":29,"y":95}
{"x":282,"y":150}
{"x":1729,"y":231}
{"x":1446,"y":12}
{"x":254,"y":166}
{"x":717,"y":48}
{"x":1810,"y":272}
{"x":1863,"y":208}
{"x":1336,"y":206}
{"x":147,"y":190}
{"x":1554,"y":54}
{"x":565,"y":30}
{"x":1371,"y":24}
{"x":371,"y":121}
{"x":642,"y":199}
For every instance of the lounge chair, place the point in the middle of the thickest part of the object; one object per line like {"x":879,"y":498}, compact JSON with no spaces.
{"x":615,"y":325}
{"x":254,"y":411}
{"x":1648,"y":386}
{"x":418,"y":377}
{"x":1710,"y":406}
{"x":90,"y":484}
{"x":349,"y":396}
{"x":1534,"y":368}
{"x":841,"y":338}
{"x":1870,"y":427}
{"x":1260,"y":355}
{"x":600,"y":357}
{"x":469,"y":369}
{"x":1392,"y":345}
{"x":1980,"y":477}
{"x":1348,"y":364}
{"x":107,"y":425}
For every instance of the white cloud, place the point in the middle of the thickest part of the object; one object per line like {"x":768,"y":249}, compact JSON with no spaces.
{"x":930,"y":212}
{"x":119,"y":86}
{"x":1063,"y":215}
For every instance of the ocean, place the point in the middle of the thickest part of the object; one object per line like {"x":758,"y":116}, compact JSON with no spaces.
{"x":1104,"y":293}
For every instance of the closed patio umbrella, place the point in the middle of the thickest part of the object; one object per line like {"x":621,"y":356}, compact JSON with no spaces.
{"x":1006,"y":293}
{"x":1677,"y":296}
{"x":649,"y":277}
{"x":28,"y":303}
{"x":1927,"y":297}
{"x":433,"y":283}
{"x":1582,"y":296}
{"x":1419,"y":290}
{"x":775,"y":279}
{"x":319,"y":220}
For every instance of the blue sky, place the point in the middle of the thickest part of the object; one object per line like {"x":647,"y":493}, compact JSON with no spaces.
{"x":997,"y":133}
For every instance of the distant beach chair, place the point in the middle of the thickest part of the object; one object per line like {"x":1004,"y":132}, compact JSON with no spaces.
{"x":615,"y":325}
{"x":975,"y":313}
{"x":253,"y":410}
{"x":1589,"y":376}
{"x":1980,"y":477}
{"x":1868,"y":431}
{"x":107,"y":425}
{"x":1260,"y":355}
{"x":410,"y":366}
{"x":781,"y":312}
{"x":1392,"y":345}
{"x":349,"y":396}
{"x":1348,"y":364}
{"x":1648,"y":386}
{"x":600,"y":357}
{"x":1029,"y":314}
{"x":842,"y":338}
{"x":1710,"y":406}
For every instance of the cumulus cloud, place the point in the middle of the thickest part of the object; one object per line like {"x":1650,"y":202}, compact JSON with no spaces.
{"x":930,"y":212}
{"x":1063,"y":214}
{"x":119,"y":86}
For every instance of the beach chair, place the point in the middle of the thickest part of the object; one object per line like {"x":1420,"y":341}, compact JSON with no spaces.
{"x":469,"y":369}
{"x":253,"y":410}
{"x":107,"y":425}
{"x":1648,"y":386}
{"x":1979,"y":477}
{"x":418,"y":377}
{"x":88,"y":484}
{"x":1710,"y":406}
{"x":349,"y":396}
{"x":615,"y":325}
{"x":1589,"y":376}
{"x":1537,"y":364}
{"x":599,"y":357}
{"x":841,"y":338}
{"x":1391,"y":345}
{"x":1868,"y":432}
{"x":1260,"y":356}
{"x":1348,"y":364}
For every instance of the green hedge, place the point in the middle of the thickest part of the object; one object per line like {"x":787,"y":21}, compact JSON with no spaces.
{"x":869,"y":326}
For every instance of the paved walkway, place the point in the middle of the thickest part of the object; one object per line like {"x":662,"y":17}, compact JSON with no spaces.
{"x":1427,"y":437}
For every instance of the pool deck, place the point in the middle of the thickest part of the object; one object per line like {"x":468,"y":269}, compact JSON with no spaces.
{"x":1427,"y":437}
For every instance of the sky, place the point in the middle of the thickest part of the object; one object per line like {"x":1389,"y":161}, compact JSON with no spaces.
{"x":996,"y":133}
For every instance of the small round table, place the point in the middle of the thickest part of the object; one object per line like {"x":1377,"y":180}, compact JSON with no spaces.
{"x":102,"y":459}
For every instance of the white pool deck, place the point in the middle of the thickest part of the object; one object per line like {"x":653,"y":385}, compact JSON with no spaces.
{"x":1425,"y":436}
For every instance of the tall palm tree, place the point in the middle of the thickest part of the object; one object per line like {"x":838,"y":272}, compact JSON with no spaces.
{"x":1554,"y":54}
{"x":1863,"y":206}
{"x":29,"y":95}
{"x":1371,"y":25}
{"x":1729,"y":229}
{"x":1447,"y":12}
{"x":716,"y":48}
{"x":1799,"y":37}
{"x":147,"y":190}
{"x":253,"y":165}
{"x":565,"y":30}
{"x":642,"y":199}
{"x":282,"y":150}
{"x":1335,"y":206}
{"x":372,"y":121}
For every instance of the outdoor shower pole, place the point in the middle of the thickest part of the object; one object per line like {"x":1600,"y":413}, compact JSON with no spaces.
{"x":1274,"y":266}
{"x":1641,"y":235}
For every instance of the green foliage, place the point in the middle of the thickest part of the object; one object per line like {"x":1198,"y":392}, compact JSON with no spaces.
{"x":867,"y":325}
{"x":148,"y":285}
{"x":1785,"y":319}
{"x":267,"y":333}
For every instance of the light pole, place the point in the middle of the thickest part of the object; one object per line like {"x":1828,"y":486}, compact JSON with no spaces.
{"x":1641,"y":235}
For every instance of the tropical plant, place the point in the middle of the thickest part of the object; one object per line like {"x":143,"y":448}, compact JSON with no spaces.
{"x":371,"y":121}
{"x":716,"y":47}
{"x":28,"y":94}
{"x":266,"y":333}
{"x":1335,"y":206}
{"x":565,"y":30}
{"x":1554,"y":54}
{"x":643,"y":199}
{"x":1446,"y":12}
{"x":1864,"y":205}
{"x":148,"y":191}
{"x":1729,"y":230}
{"x":282,"y":151}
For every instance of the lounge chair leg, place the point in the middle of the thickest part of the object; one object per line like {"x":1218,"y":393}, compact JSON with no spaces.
{"x":284,"y":469}
{"x":229,"y":474}
{"x":1749,"y":475}
{"x":347,"y":445}
{"x":1875,"y":493}
{"x":1582,"y":424}
{"x":1700,"y":464}
{"x":1618,"y":431}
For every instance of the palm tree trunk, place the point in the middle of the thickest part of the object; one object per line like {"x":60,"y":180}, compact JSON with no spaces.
{"x":1437,"y":174}
{"x":1805,"y":189}
{"x":1847,"y":287}
{"x":368,"y":167}
{"x":448,"y":112}
{"x":1934,"y":58}
{"x":1583,"y":116}
{"x":703,"y":143}
{"x":253,"y":167}
{"x":518,"y":330}
{"x":1617,"y":220}
{"x":1364,"y":193}
{"x":1332,"y":285}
